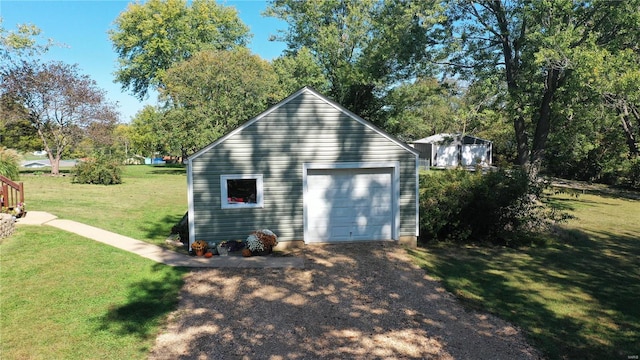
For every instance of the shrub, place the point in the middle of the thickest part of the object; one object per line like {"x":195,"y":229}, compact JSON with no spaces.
{"x":9,"y":163}
{"x":496,"y":207}
{"x":99,"y":170}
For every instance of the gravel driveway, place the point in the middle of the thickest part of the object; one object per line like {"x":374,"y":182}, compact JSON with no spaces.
{"x":351,"y":301}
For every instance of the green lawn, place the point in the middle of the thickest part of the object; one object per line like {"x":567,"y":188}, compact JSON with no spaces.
{"x":149,"y":202}
{"x":63,"y":296}
{"x":67,"y":297}
{"x":576,"y":298}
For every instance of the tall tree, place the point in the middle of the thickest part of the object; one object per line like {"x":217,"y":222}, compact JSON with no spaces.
{"x":363,"y":47}
{"x":25,"y":41}
{"x":60,"y":104}
{"x":213,"y":92}
{"x":15,"y":46}
{"x":618,"y":83}
{"x":152,"y":36}
{"x":535,"y":46}
{"x":19,"y":134}
{"x":147,"y":132}
{"x":298,"y":69}
{"x":422,"y":108}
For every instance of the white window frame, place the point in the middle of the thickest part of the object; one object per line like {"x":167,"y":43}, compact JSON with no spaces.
{"x":224,"y":204}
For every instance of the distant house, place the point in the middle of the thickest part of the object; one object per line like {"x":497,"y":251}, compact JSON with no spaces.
{"x":309,"y":170}
{"x":34,"y":164}
{"x":450,"y":150}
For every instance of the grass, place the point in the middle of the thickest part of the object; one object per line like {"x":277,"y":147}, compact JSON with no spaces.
{"x":151,"y":200}
{"x":66,"y":297}
{"x":576,"y":297}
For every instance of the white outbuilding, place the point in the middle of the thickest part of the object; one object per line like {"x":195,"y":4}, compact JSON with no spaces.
{"x":451,"y":150}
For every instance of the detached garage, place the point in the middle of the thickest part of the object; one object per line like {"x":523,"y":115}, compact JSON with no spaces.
{"x":309,"y":170}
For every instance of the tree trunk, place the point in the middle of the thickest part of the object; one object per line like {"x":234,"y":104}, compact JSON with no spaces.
{"x":543,"y":124}
{"x":626,"y":112}
{"x":522,"y":140}
{"x":184,"y":155}
{"x":625,"y":117}
{"x":512,"y":67}
{"x":53,"y":160}
{"x":55,"y":166}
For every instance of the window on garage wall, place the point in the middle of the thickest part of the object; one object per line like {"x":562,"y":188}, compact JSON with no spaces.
{"x":241,"y":191}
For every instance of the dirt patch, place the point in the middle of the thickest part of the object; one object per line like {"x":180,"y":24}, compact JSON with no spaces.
{"x":356,"y":301}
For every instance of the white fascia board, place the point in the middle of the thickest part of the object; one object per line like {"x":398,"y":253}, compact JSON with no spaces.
{"x":190,"y":212}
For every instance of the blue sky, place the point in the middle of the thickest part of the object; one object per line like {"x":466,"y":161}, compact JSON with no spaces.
{"x":82,"y":26}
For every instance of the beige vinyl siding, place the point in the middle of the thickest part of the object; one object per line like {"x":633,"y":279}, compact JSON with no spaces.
{"x":304,"y":130}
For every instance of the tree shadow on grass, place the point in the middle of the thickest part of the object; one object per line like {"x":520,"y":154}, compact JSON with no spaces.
{"x":577,"y":188}
{"x":162,"y":227}
{"x":169,"y":170}
{"x":148,"y":303}
{"x":576,"y":299}
{"x":604,"y":265}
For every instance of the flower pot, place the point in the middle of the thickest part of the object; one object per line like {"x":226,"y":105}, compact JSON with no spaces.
{"x":199,"y":247}
{"x":222,"y":250}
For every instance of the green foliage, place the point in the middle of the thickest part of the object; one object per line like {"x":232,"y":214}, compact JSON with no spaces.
{"x":147,"y":134}
{"x":98,"y":170}
{"x":627,"y":175}
{"x":471,"y":207}
{"x":363,"y":47}
{"x":298,"y":69}
{"x":20,"y":135}
{"x":547,"y":53}
{"x":9,"y":163}
{"x":212,"y":93}
{"x":64,"y":105}
{"x":422,"y":108}
{"x":22,"y":42}
{"x":151,"y":37}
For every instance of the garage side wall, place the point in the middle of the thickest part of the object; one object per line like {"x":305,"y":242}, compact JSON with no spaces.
{"x":305,"y":129}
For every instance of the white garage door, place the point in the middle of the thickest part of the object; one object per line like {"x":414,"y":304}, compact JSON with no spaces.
{"x":349,"y":205}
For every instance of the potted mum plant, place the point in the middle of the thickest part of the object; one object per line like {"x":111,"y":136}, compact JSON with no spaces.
{"x":199,"y":247}
{"x":261,"y":242}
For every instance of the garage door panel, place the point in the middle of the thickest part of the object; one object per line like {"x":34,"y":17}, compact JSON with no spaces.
{"x":357,"y":205}
{"x":350,"y":233}
{"x":349,"y":205}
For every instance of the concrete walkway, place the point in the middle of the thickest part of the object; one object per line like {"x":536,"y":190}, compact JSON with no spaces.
{"x":157,"y":253}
